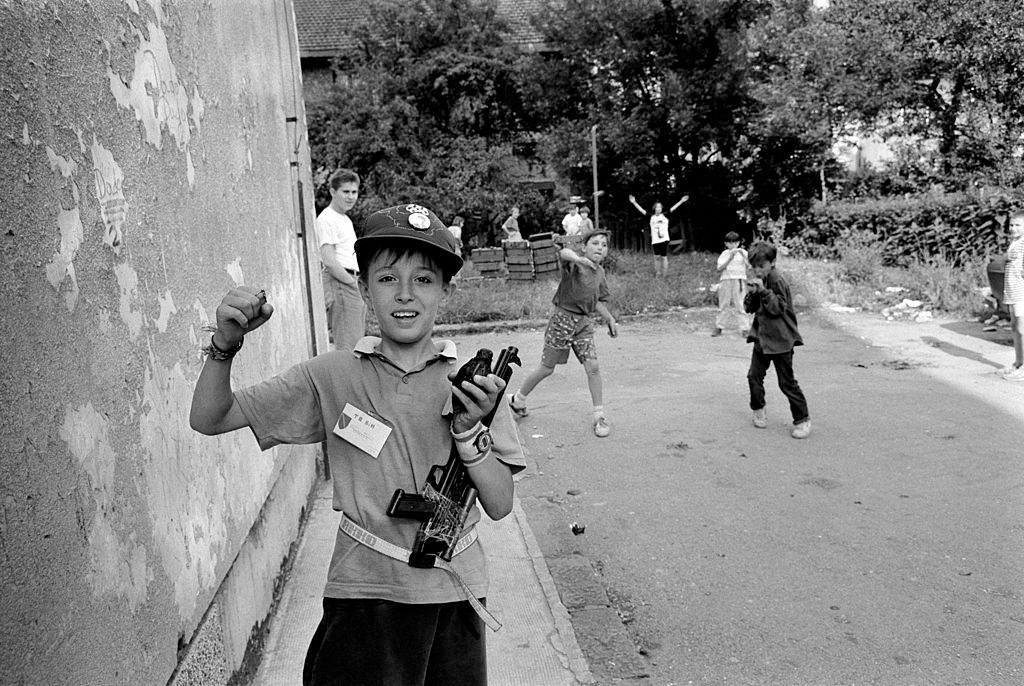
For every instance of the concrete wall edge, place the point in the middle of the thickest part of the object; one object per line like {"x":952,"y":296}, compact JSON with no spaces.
{"x":228,"y":642}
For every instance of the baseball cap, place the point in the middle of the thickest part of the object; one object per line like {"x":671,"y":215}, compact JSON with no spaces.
{"x":410,"y":223}
{"x":595,"y":232}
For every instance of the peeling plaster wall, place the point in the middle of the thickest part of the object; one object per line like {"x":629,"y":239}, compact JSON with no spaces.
{"x":149,"y":166}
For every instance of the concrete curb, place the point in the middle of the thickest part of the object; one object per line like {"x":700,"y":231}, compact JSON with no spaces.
{"x":563,"y":623}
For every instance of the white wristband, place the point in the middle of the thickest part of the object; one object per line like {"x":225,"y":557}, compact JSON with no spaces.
{"x":469,"y":434}
{"x":467,"y":448}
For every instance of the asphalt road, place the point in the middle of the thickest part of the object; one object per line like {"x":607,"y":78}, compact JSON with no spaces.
{"x":888,"y":548}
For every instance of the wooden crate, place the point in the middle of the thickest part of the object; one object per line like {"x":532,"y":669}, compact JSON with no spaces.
{"x":542,"y":240}
{"x":514,"y":268}
{"x":519,"y":258}
{"x":487,"y":258}
{"x":545,"y":254}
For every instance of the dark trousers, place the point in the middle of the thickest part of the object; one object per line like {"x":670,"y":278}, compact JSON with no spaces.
{"x":382,"y":643}
{"x":783,"y":362}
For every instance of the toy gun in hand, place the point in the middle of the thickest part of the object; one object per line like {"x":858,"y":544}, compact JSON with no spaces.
{"x":449,"y":494}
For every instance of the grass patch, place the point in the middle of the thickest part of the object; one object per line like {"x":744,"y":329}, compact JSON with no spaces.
{"x":943,"y":288}
{"x":634,"y":289}
{"x":858,"y":281}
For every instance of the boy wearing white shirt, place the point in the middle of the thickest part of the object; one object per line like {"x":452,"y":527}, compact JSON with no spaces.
{"x":346,"y":311}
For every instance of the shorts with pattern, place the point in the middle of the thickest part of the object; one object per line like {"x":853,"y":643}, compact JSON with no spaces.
{"x":567,"y":330}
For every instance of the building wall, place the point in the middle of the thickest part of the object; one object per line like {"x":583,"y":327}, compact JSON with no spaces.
{"x":154,"y":155}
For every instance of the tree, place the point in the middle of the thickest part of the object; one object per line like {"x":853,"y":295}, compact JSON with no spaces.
{"x":665,"y":82}
{"x":429,"y":108}
{"x":942,"y":70}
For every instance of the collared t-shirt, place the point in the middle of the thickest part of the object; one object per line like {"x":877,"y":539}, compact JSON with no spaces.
{"x":580,"y":288}
{"x":303,"y":405}
{"x":335,"y":228}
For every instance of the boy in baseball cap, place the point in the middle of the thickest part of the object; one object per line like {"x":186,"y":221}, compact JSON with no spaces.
{"x":386,"y":413}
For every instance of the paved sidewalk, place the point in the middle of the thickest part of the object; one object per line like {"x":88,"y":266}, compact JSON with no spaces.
{"x":535,"y":647}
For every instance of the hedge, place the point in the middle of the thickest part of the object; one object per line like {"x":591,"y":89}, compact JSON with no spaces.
{"x":957,"y":227}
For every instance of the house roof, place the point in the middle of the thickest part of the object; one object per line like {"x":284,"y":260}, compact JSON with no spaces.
{"x":323,"y":25}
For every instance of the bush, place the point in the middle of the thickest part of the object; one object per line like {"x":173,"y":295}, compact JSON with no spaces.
{"x":955,"y":227}
{"x":861,"y":257}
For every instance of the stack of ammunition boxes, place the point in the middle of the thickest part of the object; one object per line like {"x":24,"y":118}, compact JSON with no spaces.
{"x":489,"y":262}
{"x":518,"y":260}
{"x":545,"y":254}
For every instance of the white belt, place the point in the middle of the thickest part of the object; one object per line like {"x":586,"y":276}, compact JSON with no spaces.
{"x":361,"y":535}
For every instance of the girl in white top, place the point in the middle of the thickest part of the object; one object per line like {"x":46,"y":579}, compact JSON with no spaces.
{"x":1013,"y":295}
{"x":511,"y":226}
{"x":659,"y":233}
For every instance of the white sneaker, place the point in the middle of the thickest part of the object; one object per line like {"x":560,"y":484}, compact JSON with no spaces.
{"x":1016,"y":375}
{"x":801,"y":430}
{"x":761,"y":418}
{"x":519,"y":410}
{"x":601,"y":428}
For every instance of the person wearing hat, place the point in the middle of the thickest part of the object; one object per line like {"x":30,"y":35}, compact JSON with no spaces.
{"x":582,"y":290}
{"x":386,"y":412}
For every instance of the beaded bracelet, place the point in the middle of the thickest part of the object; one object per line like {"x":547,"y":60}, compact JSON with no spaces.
{"x":212,"y":352}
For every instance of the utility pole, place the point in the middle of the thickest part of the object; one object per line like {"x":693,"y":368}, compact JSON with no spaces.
{"x":593,"y":164}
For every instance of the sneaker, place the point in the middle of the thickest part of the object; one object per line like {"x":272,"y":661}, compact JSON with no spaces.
{"x":601,"y":428}
{"x":761,"y":418}
{"x":519,"y":410}
{"x":801,"y":430}
{"x":1016,"y":375}
{"x":717,"y":332}
{"x":1008,"y":370}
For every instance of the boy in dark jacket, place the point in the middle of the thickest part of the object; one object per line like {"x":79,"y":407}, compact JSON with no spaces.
{"x":774,"y":334}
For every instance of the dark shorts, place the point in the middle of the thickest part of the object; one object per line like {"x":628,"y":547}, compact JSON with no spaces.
{"x":568,"y":331}
{"x":660,"y":249}
{"x":383,"y":642}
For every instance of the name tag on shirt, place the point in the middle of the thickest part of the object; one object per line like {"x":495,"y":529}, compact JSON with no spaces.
{"x":361,"y":430}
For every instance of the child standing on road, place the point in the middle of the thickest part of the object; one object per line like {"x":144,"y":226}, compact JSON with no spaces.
{"x":774,"y":334}
{"x":582,"y":290}
{"x":659,"y":233}
{"x":385,"y":410}
{"x":1013,"y":295}
{"x":732,"y":286}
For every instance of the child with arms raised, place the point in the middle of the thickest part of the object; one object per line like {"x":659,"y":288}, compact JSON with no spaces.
{"x":384,"y":621}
